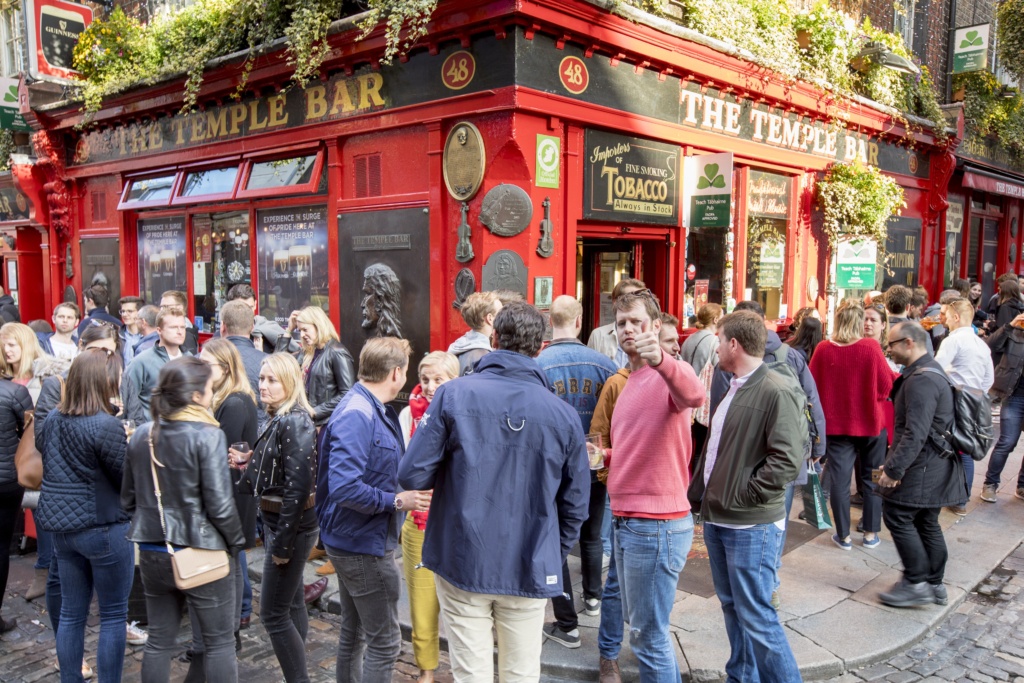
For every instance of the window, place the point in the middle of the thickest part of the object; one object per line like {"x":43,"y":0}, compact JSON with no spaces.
{"x":221,"y":250}
{"x":212,"y":181}
{"x":13,"y":41}
{"x":903,"y":23}
{"x":768,"y":197}
{"x":154,"y":191}
{"x":266,"y":175}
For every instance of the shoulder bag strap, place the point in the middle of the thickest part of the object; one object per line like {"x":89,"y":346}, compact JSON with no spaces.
{"x":156,"y":487}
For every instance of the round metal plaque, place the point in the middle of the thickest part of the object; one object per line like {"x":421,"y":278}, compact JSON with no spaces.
{"x":506,"y":210}
{"x":463,"y":161}
{"x":505,"y":270}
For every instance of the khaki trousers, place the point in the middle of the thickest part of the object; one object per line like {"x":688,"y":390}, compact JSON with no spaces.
{"x":469,"y":618}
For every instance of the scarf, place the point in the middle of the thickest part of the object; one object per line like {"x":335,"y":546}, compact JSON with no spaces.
{"x":193,"y":413}
{"x":418,"y":405}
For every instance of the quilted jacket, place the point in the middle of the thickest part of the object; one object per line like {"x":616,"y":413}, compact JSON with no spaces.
{"x":14,"y":401}
{"x":83,"y":462}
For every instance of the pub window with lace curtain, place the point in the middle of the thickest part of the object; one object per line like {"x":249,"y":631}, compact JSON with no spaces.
{"x":11,"y":33}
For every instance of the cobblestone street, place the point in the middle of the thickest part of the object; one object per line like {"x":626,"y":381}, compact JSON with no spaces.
{"x":981,"y":641}
{"x":27,"y":654}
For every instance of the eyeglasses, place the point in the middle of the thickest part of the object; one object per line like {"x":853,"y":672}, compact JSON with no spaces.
{"x":126,"y":311}
{"x":897,"y":341}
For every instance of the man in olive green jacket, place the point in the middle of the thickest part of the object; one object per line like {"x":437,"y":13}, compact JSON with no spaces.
{"x":755,"y":443}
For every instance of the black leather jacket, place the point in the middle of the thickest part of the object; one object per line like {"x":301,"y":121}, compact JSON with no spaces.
{"x":333,"y":373}
{"x":1007,"y":344}
{"x":198,"y":500}
{"x":282,"y":471}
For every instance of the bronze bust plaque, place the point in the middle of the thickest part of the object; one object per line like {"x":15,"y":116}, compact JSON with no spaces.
{"x":506,"y":210}
{"x":463,"y":161}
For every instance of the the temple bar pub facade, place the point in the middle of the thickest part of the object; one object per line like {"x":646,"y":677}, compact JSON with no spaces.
{"x":530,"y":145}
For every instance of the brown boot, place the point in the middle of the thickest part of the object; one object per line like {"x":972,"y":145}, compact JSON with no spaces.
{"x":317,"y":553}
{"x":326,"y":570}
{"x":38,"y":587}
{"x":610,"y":671}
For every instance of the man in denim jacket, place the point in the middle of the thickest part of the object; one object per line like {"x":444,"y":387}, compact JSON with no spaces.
{"x":358,"y":508}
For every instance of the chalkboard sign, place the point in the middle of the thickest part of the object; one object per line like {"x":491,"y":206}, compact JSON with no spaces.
{"x":630,"y":180}
{"x":902,"y":248}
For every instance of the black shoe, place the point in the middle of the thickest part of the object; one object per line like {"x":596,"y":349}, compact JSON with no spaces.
{"x":8,"y":625}
{"x":939,"y":594}
{"x":570,"y":640}
{"x":238,"y":641}
{"x":860,"y":527}
{"x":906,"y":594}
{"x":857,"y":500}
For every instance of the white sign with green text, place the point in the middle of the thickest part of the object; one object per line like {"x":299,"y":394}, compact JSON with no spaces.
{"x":970,"y":48}
{"x":856,"y":261}
{"x":707,"y":190}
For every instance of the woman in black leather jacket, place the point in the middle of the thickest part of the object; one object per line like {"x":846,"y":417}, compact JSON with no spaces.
{"x":281,"y":473}
{"x":14,"y":401}
{"x":327,"y":366}
{"x":189,"y":453}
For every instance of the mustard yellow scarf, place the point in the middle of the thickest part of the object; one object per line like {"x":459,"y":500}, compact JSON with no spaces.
{"x":193,"y":413}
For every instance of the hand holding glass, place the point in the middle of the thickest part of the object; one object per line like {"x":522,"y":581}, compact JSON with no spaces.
{"x":239,"y":454}
{"x":595,"y":451}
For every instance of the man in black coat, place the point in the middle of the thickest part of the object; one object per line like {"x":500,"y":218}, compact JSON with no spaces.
{"x":921,"y":474}
{"x":236,"y":324}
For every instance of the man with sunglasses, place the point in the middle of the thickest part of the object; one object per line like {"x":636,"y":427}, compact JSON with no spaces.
{"x":648,"y":474}
{"x":919,"y":478}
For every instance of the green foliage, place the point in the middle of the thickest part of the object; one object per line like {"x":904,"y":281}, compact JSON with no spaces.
{"x":992,"y":111}
{"x":831,"y":42}
{"x":1010,"y":15}
{"x":118,"y":52}
{"x":763,"y":27}
{"x":7,"y":148}
{"x":857,"y":200}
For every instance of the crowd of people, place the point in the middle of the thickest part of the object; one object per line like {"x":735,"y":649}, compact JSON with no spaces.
{"x":517,"y":442}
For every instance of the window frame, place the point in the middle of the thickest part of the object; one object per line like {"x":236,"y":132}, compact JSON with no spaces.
{"x":125,"y":204}
{"x":177,"y":199}
{"x":305,"y":188}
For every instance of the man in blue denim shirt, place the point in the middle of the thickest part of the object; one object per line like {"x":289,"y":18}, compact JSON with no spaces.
{"x":357,"y":505}
{"x":577,"y":374}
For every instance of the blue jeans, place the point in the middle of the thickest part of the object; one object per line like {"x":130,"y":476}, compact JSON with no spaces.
{"x":1011,"y":418}
{"x":650,"y":555}
{"x":101,"y":558}
{"x":606,"y":527}
{"x":609,"y":635}
{"x":743,"y":569}
{"x":790,"y":491}
{"x":246,"y":586}
{"x":44,"y":548}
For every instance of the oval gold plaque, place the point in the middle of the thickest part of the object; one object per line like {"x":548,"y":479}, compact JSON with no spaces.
{"x":463,"y":161}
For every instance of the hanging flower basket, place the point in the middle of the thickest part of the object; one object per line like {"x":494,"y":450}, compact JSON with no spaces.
{"x":857,"y":200}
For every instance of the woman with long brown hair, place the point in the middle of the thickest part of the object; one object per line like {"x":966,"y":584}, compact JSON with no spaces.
{"x":83,"y":447}
{"x":185,"y":447}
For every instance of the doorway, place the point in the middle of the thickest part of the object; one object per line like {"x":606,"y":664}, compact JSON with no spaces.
{"x":601,"y":263}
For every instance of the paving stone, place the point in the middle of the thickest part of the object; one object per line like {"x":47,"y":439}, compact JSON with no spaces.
{"x":903,"y":677}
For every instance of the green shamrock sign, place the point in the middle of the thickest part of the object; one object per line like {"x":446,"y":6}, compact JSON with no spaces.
{"x":12,"y":94}
{"x":711,"y":178}
{"x":971,"y":39}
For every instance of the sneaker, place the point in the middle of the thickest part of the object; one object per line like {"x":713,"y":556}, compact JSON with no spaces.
{"x":1020,"y":492}
{"x":988,"y":494}
{"x":940,"y":595}
{"x":840,"y":543}
{"x":569,"y":639}
{"x":873,"y":543}
{"x":776,"y":601}
{"x":906,"y":594}
{"x":592,"y":607}
{"x":136,"y":635}
{"x":960,"y":510}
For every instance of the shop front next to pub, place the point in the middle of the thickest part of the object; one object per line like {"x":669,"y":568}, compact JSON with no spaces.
{"x":505,"y":153}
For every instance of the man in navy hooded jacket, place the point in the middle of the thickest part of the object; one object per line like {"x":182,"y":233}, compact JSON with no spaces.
{"x":507,"y":461}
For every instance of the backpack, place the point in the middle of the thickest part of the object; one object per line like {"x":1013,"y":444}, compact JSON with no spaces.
{"x":972,"y":431}
{"x":781,"y":366}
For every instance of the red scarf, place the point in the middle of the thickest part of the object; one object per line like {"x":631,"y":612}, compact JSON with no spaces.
{"x":418,"y":405}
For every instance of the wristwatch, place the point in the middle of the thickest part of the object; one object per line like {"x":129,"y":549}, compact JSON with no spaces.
{"x":398,"y":503}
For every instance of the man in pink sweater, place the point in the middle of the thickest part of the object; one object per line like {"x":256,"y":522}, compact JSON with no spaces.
{"x":648,"y":474}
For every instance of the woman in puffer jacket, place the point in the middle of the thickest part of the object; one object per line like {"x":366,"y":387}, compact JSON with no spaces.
{"x":14,"y":401}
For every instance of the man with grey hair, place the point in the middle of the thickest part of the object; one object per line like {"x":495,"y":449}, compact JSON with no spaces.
{"x":577,"y":374}
{"x":146,"y":321}
{"x":922,"y":474}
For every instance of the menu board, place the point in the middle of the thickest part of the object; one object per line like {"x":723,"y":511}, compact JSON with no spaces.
{"x":293,"y":269}
{"x":162,"y":256}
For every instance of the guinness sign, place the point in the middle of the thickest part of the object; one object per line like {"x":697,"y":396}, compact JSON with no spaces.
{"x":53,"y":28}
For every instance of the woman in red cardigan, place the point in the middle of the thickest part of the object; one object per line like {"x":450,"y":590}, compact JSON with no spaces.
{"x":854,"y":381}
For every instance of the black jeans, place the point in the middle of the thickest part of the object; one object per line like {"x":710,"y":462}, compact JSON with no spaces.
{"x":591,"y":552}
{"x":214,"y":604}
{"x":919,"y":541}
{"x":842,"y":452}
{"x":197,"y":663}
{"x":368,"y":590}
{"x":283,"y":608}
{"x":10,"y":506}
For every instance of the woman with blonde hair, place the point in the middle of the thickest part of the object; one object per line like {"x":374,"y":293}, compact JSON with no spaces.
{"x":435,"y":369}
{"x":853,"y":381}
{"x":24,"y":361}
{"x":327,"y":366}
{"x":281,"y":475}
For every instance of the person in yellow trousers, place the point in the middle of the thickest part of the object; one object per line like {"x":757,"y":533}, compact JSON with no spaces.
{"x":434,"y":370}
